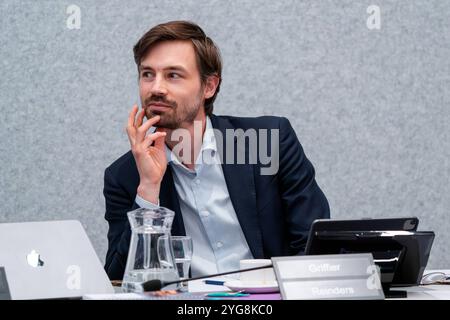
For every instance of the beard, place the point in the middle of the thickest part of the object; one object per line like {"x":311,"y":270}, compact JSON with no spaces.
{"x":174,"y":117}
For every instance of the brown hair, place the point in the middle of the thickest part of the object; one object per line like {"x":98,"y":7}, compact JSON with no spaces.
{"x":207,"y":53}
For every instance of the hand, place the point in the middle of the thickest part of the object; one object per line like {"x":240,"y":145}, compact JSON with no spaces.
{"x":149,"y":154}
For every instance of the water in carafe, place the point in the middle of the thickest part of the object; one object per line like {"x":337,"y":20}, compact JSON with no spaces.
{"x":150,"y":255}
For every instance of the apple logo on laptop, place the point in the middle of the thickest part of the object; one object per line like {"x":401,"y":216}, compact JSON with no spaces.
{"x":34,"y":259}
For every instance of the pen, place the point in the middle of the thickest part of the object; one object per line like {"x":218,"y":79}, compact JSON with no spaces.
{"x":227,"y":294}
{"x":214,"y":282}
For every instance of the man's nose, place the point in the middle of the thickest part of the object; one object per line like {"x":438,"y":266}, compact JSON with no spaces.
{"x":159,"y":86}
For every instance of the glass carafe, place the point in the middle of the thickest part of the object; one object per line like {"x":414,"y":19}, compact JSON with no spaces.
{"x":150,"y":255}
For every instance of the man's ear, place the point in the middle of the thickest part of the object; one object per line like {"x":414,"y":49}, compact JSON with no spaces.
{"x":211,"y":85}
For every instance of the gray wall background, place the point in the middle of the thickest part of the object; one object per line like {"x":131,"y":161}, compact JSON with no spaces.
{"x":370,"y":107}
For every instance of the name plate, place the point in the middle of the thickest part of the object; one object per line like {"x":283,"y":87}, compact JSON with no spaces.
{"x":4,"y":288}
{"x":342,"y":276}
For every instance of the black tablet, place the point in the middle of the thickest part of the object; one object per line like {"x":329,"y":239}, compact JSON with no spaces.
{"x":383,"y":224}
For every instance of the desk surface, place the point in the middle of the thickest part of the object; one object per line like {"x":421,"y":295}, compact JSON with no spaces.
{"x":427,"y":292}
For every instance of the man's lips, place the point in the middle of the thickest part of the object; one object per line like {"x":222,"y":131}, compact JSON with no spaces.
{"x":159,"y":106}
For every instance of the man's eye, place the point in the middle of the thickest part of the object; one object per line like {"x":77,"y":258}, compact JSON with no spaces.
{"x":146,"y":75}
{"x":174,"y":75}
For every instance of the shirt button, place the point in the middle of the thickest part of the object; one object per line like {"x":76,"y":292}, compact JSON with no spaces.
{"x":219,"y":244}
{"x":197,"y":181}
{"x":204,"y":214}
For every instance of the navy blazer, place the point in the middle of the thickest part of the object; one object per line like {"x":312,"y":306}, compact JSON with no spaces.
{"x":275,"y":211}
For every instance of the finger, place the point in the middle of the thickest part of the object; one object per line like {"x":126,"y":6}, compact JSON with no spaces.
{"x":159,"y":141}
{"x":149,"y":139}
{"x":140,"y":134}
{"x":131,"y":132}
{"x":160,"y":129}
{"x":132,"y":116}
{"x":140,"y":118}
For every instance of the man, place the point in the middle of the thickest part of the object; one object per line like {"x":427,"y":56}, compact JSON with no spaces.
{"x":212,"y":171}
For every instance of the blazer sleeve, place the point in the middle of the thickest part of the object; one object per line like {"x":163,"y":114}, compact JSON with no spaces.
{"x":303,"y":200}
{"x":117,"y":202}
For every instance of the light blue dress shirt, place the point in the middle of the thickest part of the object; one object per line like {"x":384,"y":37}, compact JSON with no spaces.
{"x":208,"y":214}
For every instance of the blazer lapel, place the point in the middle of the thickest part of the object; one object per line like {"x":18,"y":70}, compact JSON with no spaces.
{"x":168,"y":198}
{"x":241,"y":188}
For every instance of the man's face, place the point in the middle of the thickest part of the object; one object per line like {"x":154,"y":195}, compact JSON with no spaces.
{"x":169,"y":84}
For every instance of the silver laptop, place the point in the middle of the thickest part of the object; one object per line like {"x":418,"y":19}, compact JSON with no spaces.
{"x":50,"y":259}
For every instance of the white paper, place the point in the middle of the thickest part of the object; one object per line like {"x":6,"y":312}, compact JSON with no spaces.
{"x":115,"y":296}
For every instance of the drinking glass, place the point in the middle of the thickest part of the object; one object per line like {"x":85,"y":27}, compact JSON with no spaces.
{"x":182,"y":251}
